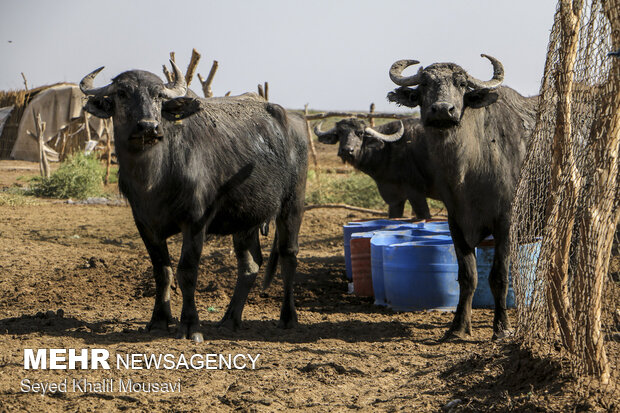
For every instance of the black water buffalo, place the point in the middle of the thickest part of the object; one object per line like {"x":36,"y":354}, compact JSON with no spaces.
{"x":477,"y":134}
{"x":400,"y":167}
{"x":205,"y":166}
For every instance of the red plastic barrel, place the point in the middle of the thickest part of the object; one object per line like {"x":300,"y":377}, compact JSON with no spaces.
{"x":360,"y":267}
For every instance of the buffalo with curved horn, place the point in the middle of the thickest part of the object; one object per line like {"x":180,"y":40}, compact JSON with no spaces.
{"x":394,"y":155}
{"x":477,"y":134}
{"x":205,"y":166}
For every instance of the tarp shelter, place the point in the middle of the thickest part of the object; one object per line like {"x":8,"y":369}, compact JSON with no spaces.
{"x":4,"y":115}
{"x":58,"y":106}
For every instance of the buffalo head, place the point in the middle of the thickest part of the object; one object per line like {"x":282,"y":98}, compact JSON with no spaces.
{"x":137,"y":100}
{"x":443,"y":90}
{"x":352,"y":135}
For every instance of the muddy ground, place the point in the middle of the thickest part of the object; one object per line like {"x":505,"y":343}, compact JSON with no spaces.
{"x":78,"y":276}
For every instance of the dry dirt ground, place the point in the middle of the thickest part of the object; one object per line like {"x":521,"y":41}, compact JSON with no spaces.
{"x":78,"y":276}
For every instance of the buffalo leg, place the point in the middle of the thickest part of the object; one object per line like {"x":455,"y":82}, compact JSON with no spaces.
{"x":396,"y":209}
{"x":187,"y":273}
{"x":249,"y":260}
{"x":498,"y":281}
{"x":162,"y":272}
{"x":468,"y":280}
{"x":420,"y":206}
{"x":288,"y":224}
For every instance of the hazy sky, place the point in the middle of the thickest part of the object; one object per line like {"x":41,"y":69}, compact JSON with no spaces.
{"x":332,"y":54}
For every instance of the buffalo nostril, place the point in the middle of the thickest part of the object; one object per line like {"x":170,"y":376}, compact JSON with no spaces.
{"x":442,"y":108}
{"x":148,"y":126}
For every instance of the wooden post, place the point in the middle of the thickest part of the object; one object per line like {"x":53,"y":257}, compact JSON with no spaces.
{"x":597,"y":224}
{"x":64,"y":144}
{"x":87,"y":127}
{"x":25,"y":82}
{"x":108,"y":145}
{"x":191,"y":67}
{"x":206,"y":84}
{"x":566,"y":182}
{"x":370,"y":113}
{"x":167,"y":73}
{"x":313,"y":150}
{"x":263,"y":90}
{"x":39,"y":125}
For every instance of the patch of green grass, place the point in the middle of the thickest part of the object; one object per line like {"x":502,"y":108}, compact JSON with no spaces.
{"x":355,"y":189}
{"x":79,"y":176}
{"x":15,"y":197}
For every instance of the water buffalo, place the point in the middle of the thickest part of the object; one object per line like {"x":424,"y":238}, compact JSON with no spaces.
{"x":477,"y":134}
{"x":400,"y":167}
{"x":205,"y":166}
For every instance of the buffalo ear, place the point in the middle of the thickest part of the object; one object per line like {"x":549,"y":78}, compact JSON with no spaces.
{"x":480,"y":98}
{"x":180,"y":108}
{"x":100,"y":106}
{"x":328,"y":139}
{"x":373,"y":144}
{"x":405,"y":96}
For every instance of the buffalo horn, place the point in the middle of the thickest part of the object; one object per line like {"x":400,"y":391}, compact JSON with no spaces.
{"x":178,"y":87}
{"x":397,"y":68}
{"x":387,"y":138}
{"x":319,"y":132}
{"x":86,"y":85}
{"x":496,"y":80}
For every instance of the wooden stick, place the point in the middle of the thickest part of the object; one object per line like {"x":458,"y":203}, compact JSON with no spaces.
{"x":370,"y":113}
{"x":191,"y":67}
{"x":108,"y":145}
{"x":167,"y":73}
{"x":261,"y":92}
{"x":87,"y":127}
{"x":317,"y":170}
{"x":206,"y":84}
{"x":44,"y":167}
{"x":267,"y":91}
{"x":345,"y":206}
{"x":312,"y":149}
{"x":324,"y":115}
{"x":25,"y":81}
{"x":64,"y":144}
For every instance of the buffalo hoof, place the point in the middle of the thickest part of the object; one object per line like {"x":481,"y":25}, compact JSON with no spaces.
{"x":502,"y":334}
{"x":230,"y":323}
{"x":189,"y":332}
{"x":160,"y":325}
{"x":455,"y":335}
{"x":286,"y":325}
{"x":288,"y":322}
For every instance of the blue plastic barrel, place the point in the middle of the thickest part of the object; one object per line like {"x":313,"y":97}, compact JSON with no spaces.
{"x":379,"y":240}
{"x":366,"y":226}
{"x":383,"y":238}
{"x":527,"y":259}
{"x":437,"y":226}
{"x":483,"y":297}
{"x":421,"y":275}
